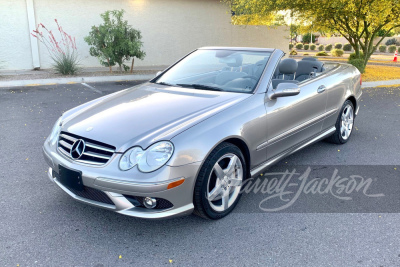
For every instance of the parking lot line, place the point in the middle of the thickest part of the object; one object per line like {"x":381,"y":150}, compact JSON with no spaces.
{"x":92,"y":88}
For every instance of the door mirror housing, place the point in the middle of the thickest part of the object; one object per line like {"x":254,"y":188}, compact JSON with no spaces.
{"x":284,"y":89}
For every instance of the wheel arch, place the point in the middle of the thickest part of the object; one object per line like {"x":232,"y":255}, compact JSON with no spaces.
{"x":354,"y":101}
{"x":245,"y":151}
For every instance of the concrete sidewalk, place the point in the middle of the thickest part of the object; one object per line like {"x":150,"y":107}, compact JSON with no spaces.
{"x":72,"y":80}
{"x":380,"y":83}
{"x":87,"y":75}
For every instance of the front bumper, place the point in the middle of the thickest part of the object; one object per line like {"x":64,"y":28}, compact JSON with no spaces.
{"x":119,"y":186}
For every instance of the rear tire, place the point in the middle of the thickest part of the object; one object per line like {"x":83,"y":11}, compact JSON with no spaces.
{"x":218,"y":185}
{"x":344,"y":124}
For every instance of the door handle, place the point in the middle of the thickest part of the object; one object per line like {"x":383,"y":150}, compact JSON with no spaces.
{"x":321,"y":89}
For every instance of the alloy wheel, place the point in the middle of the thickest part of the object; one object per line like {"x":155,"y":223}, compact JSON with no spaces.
{"x":225,"y":182}
{"x":347,"y":120}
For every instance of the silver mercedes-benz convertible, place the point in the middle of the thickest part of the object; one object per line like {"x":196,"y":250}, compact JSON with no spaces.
{"x":185,"y":141}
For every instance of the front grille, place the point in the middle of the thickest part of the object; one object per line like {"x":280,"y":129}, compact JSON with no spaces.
{"x":95,"y":153}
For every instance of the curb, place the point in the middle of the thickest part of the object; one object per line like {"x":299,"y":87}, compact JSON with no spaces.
{"x":38,"y":82}
{"x":379,"y":83}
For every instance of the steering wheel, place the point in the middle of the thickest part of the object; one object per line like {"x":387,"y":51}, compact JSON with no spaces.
{"x":250,"y":77}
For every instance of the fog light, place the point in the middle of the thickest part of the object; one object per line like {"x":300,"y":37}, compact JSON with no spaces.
{"x":149,"y":202}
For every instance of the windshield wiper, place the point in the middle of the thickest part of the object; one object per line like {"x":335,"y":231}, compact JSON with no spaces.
{"x":200,"y":86}
{"x":167,"y":84}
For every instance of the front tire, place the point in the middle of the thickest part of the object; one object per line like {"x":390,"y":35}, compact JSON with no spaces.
{"x":344,"y":124}
{"x":218,"y":185}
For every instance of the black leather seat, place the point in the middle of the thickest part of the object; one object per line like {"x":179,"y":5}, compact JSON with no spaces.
{"x":287,"y":72}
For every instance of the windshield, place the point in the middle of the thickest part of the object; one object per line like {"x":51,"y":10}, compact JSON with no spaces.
{"x":218,"y":70}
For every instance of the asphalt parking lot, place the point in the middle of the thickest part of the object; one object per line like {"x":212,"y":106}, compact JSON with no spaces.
{"x":42,"y":226}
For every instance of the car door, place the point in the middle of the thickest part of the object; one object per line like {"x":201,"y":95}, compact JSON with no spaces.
{"x":294,"y":119}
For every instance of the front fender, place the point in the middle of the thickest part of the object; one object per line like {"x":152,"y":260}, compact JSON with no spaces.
{"x":244,"y":121}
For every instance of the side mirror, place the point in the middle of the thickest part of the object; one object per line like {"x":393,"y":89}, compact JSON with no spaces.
{"x":158,"y":73}
{"x":284,"y":89}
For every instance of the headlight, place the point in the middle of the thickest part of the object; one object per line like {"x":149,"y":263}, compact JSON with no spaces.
{"x":147,"y":160}
{"x":130,"y":158}
{"x":55,"y":131}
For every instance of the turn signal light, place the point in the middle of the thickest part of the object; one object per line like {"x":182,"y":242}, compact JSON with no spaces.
{"x":176,"y":183}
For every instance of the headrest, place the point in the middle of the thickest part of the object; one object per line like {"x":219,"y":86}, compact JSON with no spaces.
{"x":288,"y":66}
{"x":239,"y":60}
{"x":308,"y":66}
{"x":310,"y":59}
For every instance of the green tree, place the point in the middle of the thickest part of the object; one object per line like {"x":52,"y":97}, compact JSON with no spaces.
{"x":307,"y":38}
{"x":294,"y":32}
{"x":359,"y":21}
{"x":114,"y":41}
{"x":385,"y":33}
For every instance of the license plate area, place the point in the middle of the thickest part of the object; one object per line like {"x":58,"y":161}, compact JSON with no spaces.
{"x":70,"y":178}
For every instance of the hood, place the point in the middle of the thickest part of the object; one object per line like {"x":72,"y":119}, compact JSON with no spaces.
{"x":146,"y":114}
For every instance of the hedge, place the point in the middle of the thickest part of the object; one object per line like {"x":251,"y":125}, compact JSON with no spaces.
{"x":306,"y":46}
{"x":338,"y":46}
{"x":392,"y":48}
{"x":337,"y":52}
{"x":321,"y":47}
{"x":382,"y":48}
{"x":328,"y":47}
{"x":358,"y":63}
{"x":313,"y":47}
{"x":347,"y":47}
{"x":321,"y":53}
{"x":299,"y":46}
{"x":353,"y":56}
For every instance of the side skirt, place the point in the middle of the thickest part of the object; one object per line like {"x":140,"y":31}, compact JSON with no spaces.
{"x":290,"y":151}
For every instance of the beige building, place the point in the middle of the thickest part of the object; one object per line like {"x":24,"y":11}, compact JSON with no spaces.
{"x":170,"y":28}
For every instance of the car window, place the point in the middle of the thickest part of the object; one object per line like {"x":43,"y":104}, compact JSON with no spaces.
{"x":222,"y":70}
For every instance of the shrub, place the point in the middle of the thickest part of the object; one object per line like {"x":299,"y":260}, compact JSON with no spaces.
{"x":358,"y":63}
{"x":392,"y":48}
{"x":293,"y":52}
{"x":338,"y":46}
{"x":353,"y":56}
{"x":321,"y":53}
{"x":115,"y":41}
{"x":313,"y":47}
{"x":290,"y":46}
{"x":305,"y":54}
{"x":382,"y":48}
{"x":347,"y":47}
{"x":337,"y":52}
{"x":62,"y":51}
{"x":392,"y":41}
{"x":299,"y":46}
{"x":306,"y":46}
{"x":328,"y":47}
{"x":321,"y":47}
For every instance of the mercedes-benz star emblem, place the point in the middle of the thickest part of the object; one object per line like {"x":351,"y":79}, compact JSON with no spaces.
{"x":77,"y":149}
